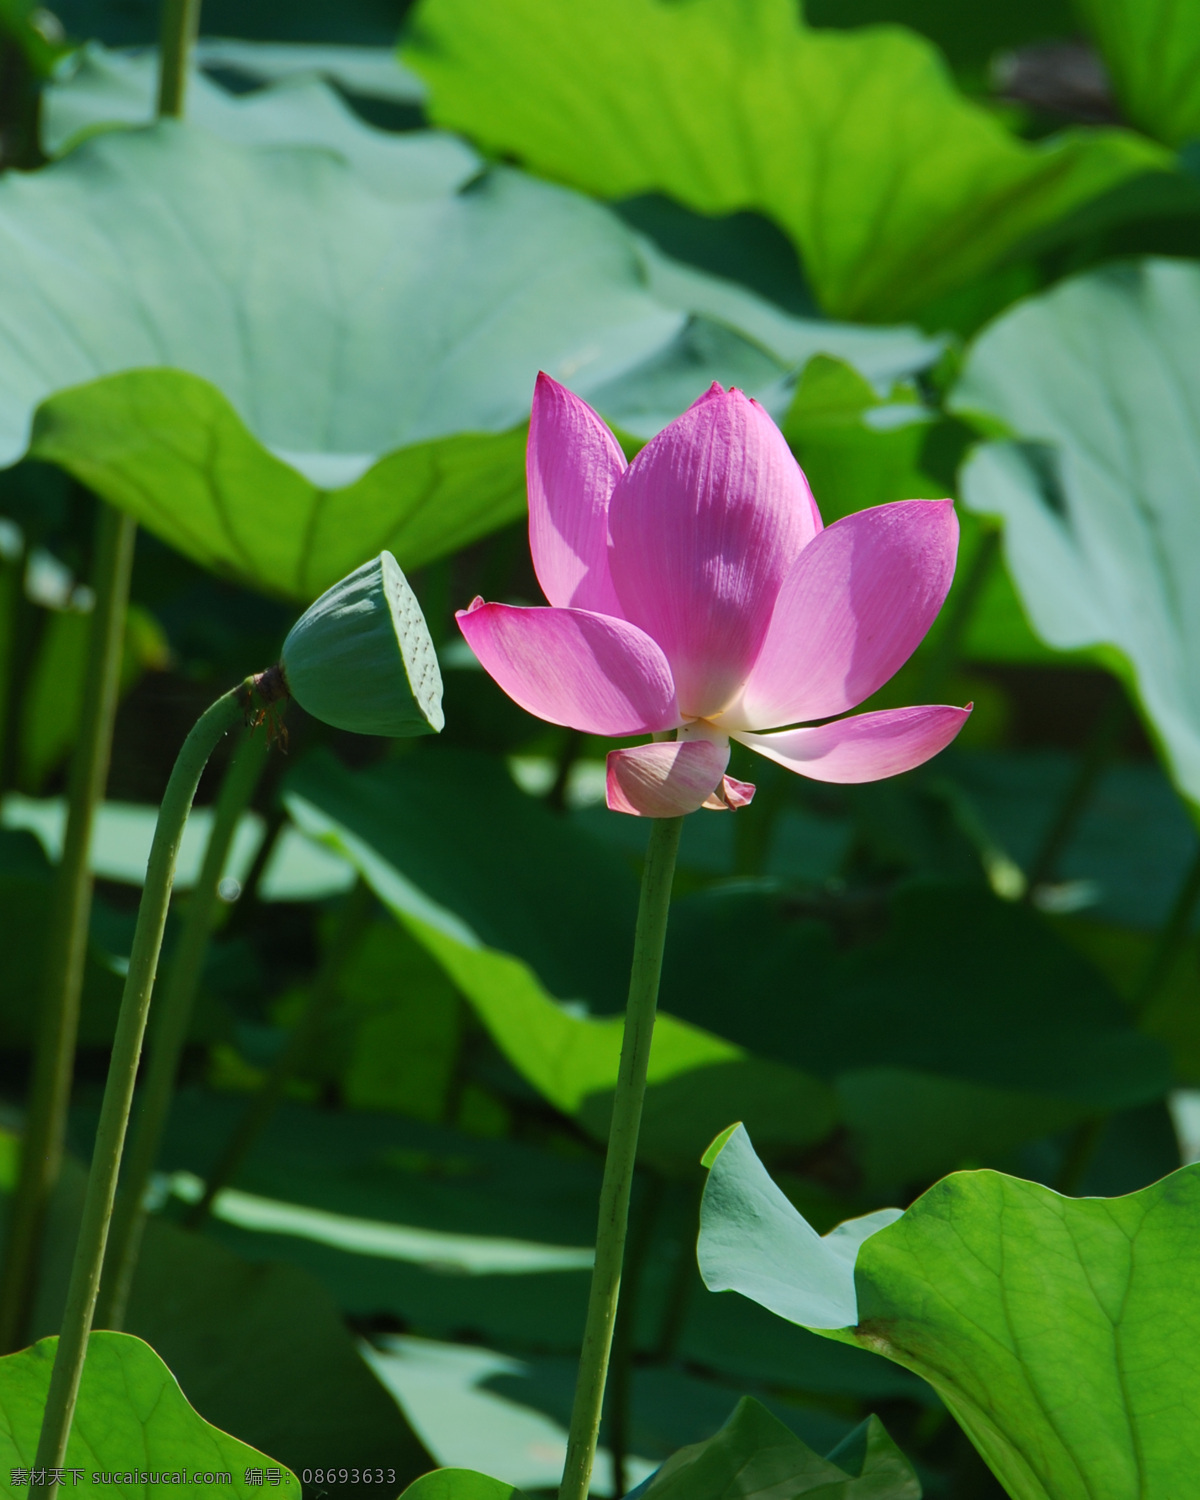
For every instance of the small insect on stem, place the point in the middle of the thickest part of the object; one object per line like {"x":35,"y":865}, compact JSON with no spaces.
{"x":267,"y":690}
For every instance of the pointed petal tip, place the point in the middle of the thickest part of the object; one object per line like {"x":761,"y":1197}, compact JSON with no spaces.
{"x":572,"y":463}
{"x":865,"y":747}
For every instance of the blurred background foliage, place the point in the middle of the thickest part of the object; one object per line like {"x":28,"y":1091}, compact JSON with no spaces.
{"x":949,"y":248}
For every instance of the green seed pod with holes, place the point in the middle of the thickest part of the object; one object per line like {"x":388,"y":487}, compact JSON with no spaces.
{"x":361,"y":657}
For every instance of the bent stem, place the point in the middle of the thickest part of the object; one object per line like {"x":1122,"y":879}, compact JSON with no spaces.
{"x":619,"y":1163}
{"x":71,"y":1352}
{"x":173,"y":1016}
{"x":67,"y":938}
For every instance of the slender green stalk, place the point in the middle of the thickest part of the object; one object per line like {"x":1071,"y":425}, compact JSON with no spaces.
{"x":1099,"y":750}
{"x":173,"y":1014}
{"x":66,"y":952}
{"x":211,"y":727}
{"x":178,"y":27}
{"x":354,"y":919}
{"x":618,"y":1406}
{"x":650,"y":937}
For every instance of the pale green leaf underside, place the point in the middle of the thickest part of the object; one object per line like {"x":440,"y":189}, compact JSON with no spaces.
{"x":1152,"y":51}
{"x":753,"y":1241}
{"x":339,"y":327}
{"x":169,"y":448}
{"x":113,"y":88}
{"x":282,"y":372}
{"x":1099,"y":380}
{"x":893,"y":187}
{"x":131,"y":1416}
{"x":365,"y":71}
{"x":1063,"y":1333}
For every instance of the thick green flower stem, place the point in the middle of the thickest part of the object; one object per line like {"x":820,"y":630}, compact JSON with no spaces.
{"x":353,"y":921}
{"x":66,"y":950}
{"x":650,"y":937}
{"x":172,"y":1016}
{"x":225,"y":714}
{"x":618,"y":1404}
{"x":179,"y":23}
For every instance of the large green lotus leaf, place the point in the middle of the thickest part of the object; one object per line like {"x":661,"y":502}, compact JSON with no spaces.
{"x":170,"y":448}
{"x":106,"y":88}
{"x":1098,"y":384}
{"x":131,"y":1417}
{"x":1061,"y":1332}
{"x":1152,"y":51}
{"x":857,"y":144}
{"x":344,"y":372}
{"x":754,"y":1453}
{"x":696,"y":1079}
{"x":313,"y":329}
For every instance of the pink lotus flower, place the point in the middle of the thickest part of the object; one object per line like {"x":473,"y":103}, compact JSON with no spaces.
{"x":695,"y":590}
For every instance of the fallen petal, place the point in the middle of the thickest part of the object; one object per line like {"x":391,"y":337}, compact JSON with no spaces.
{"x":854,"y":607}
{"x":572,"y":667}
{"x":704,"y":525}
{"x":572,"y":462}
{"x":665,"y":780}
{"x":867,"y":747}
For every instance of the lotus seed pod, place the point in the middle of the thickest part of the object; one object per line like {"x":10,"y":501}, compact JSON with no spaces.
{"x":361,"y":657}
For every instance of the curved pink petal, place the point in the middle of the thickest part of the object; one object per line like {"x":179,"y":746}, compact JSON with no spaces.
{"x":665,"y":780}
{"x":730,"y":795}
{"x":572,"y":667}
{"x":703,"y":527}
{"x":867,"y":747}
{"x":572,"y":462}
{"x":852,"y":610}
